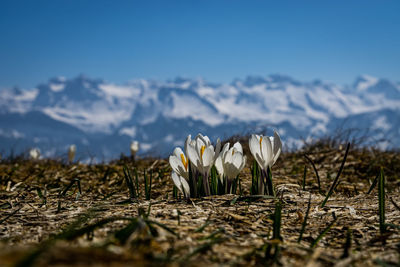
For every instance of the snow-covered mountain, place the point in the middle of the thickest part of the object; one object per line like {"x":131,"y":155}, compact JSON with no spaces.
{"x":101,"y":117}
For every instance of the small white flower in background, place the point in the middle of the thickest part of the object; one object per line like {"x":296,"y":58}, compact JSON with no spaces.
{"x":201,"y":153}
{"x":134,"y":148}
{"x":230,"y":161}
{"x":71,"y":153}
{"x":34,"y":153}
{"x":179,"y":163}
{"x":181,"y":184}
{"x":265,"y":149}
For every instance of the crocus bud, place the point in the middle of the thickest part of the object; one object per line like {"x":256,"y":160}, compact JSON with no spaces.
{"x":134,"y":148}
{"x":71,"y":153}
{"x":34,"y":153}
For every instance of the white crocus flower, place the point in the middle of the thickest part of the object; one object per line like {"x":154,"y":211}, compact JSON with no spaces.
{"x":201,"y":153}
{"x":202,"y":156}
{"x":230,"y":161}
{"x":34,"y":153}
{"x":179,"y":163}
{"x":71,"y":153}
{"x":265,"y":149}
{"x":134,"y":148}
{"x":181,"y":184}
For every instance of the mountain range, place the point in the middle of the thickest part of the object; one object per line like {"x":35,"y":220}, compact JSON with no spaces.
{"x":102,"y":118}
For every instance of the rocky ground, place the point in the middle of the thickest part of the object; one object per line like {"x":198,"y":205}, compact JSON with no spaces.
{"x":58,"y":214}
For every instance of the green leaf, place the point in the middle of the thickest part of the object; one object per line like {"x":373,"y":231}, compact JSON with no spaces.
{"x":333,"y":186}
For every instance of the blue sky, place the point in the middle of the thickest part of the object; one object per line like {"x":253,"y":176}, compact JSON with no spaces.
{"x":217,"y":40}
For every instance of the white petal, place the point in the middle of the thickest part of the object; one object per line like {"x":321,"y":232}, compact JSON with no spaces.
{"x":261,"y":162}
{"x":176,"y":180}
{"x":238,"y":146}
{"x":208,"y":156}
{"x":271,"y":139}
{"x":228,"y":155}
{"x":277,"y":146}
{"x":266,"y":151}
{"x":237,"y":160}
{"x":219,"y":166}
{"x":193,"y":156}
{"x":217,"y":148}
{"x":186,"y":187}
{"x":177,"y":152}
{"x":243,"y":163}
{"x":224,"y":149}
{"x":204,"y":139}
{"x":188,"y":142}
{"x":199,"y":145}
{"x":177,"y":166}
{"x":254,"y":144}
{"x":180,"y":182}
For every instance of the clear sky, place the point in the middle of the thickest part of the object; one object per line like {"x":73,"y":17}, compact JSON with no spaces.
{"x":217,"y":40}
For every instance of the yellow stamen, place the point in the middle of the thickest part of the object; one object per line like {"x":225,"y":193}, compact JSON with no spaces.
{"x":184,"y":161}
{"x":202,"y":151}
{"x":260,"y":141}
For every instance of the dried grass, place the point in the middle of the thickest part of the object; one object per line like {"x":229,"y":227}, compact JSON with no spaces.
{"x":36,"y":218}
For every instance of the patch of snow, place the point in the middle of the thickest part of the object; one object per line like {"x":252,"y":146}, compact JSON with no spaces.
{"x":368,"y":81}
{"x":56,"y":87}
{"x":381,"y":123}
{"x":188,"y":106}
{"x":119,"y":91}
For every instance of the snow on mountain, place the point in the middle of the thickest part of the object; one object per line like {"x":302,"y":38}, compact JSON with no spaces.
{"x":363,"y":82}
{"x":16,"y":100}
{"x":105,"y":116}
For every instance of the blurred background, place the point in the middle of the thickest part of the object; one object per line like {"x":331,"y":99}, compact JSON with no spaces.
{"x":100,"y":74}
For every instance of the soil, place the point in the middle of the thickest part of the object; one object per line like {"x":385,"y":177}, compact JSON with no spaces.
{"x":46,"y":220}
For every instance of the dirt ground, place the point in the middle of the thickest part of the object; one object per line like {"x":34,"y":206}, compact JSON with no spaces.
{"x":46,"y":221}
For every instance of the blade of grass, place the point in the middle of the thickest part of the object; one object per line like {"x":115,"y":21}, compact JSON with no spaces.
{"x":137,"y":183}
{"x":77,"y":181}
{"x":394,"y":203}
{"x":201,"y":228}
{"x":214,"y":181}
{"x":347,"y":244}
{"x":316,"y":173}
{"x":30,"y":258}
{"x":273,"y":249}
{"x":303,"y":225}
{"x":304,"y":177}
{"x":240,"y":188}
{"x":151,"y":222}
{"x":333,"y":186}
{"x":276,"y":233}
{"x":129,"y":183}
{"x":381,"y":196}
{"x":146,"y":184}
{"x":41,"y":196}
{"x":123,"y":234}
{"x":255,"y":177}
{"x":322,"y":234}
{"x":394,"y":226}
{"x":374,"y":183}
{"x":270,"y":185}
